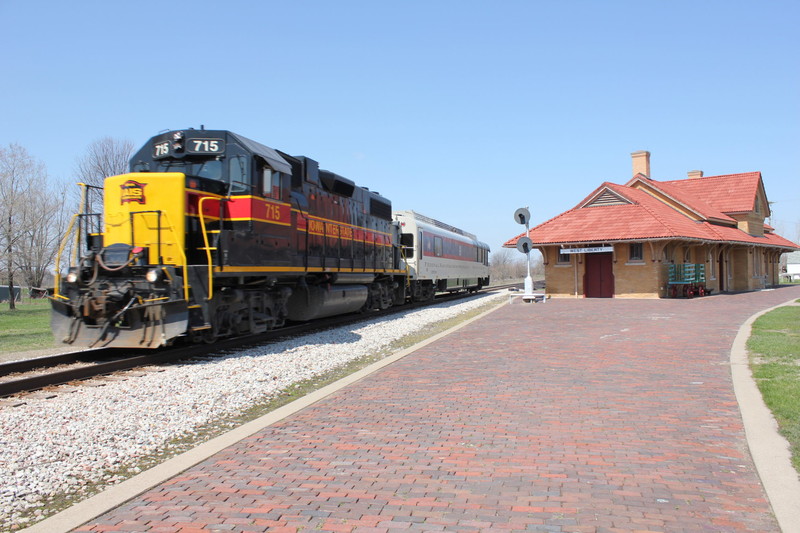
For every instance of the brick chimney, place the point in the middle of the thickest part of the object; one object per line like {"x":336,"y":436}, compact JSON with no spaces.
{"x":641,"y":162}
{"x":693,"y":174}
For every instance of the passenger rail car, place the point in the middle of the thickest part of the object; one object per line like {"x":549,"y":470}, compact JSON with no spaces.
{"x":440,"y":257}
{"x":212,"y":234}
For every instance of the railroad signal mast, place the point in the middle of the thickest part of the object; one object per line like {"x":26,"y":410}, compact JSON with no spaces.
{"x":524,"y":245}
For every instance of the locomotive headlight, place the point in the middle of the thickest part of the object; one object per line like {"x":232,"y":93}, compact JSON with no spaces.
{"x":72,"y":276}
{"x":153,"y":275}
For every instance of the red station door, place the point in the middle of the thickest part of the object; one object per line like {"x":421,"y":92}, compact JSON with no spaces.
{"x":598,"y":281}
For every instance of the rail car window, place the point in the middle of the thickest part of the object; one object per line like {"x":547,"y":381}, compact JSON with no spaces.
{"x":437,"y":246}
{"x":239,"y":175}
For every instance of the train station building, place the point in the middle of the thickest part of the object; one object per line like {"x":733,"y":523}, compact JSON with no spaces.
{"x":655,"y":239}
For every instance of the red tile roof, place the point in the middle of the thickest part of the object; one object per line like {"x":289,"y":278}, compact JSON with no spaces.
{"x":730,"y":193}
{"x":646,"y":217}
{"x":691,"y":201}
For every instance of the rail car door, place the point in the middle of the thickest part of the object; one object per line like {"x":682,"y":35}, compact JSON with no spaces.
{"x":598,"y":281}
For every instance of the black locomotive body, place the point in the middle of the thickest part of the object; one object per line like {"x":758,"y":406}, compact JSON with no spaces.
{"x":212,"y":234}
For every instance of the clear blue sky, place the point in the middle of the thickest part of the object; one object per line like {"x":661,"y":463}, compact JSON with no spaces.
{"x":461,"y":110}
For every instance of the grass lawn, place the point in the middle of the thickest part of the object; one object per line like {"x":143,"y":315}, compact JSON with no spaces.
{"x":25,"y":328}
{"x":774,"y":348}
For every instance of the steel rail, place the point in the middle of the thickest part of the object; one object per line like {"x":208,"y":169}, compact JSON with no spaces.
{"x":48,"y":361}
{"x":175,"y":354}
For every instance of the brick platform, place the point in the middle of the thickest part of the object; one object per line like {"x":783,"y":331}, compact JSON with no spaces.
{"x":569,"y":416}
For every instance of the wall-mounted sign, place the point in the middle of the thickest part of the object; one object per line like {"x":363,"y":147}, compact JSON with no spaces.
{"x":591,"y":250}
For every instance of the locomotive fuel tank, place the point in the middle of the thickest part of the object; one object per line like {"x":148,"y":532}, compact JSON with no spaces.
{"x":312,"y":302}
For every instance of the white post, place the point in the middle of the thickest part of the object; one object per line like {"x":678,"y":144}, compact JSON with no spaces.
{"x":528,"y":279}
{"x":524,"y":245}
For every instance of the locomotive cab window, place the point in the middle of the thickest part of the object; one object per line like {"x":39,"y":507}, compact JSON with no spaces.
{"x":239,"y":175}
{"x":270,"y":183}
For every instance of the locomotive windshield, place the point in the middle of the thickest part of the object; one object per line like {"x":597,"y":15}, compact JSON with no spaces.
{"x":201,"y":169}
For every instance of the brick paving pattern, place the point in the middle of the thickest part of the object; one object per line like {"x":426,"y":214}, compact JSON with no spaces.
{"x":570,"y":416}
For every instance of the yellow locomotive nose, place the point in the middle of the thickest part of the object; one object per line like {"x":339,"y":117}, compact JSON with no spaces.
{"x":146,"y":210}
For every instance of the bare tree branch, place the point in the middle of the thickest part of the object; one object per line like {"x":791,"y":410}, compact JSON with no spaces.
{"x":103,"y":158}
{"x":23,"y":183}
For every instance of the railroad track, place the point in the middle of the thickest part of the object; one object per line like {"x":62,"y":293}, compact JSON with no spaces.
{"x":29,"y":375}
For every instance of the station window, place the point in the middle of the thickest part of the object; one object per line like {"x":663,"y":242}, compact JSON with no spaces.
{"x":635,"y":252}
{"x":563,"y":258}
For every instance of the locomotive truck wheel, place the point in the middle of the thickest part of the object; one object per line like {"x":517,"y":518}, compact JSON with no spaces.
{"x":210,"y":336}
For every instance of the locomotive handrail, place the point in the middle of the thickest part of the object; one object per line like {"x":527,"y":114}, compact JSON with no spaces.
{"x":184,"y":262}
{"x":300,"y":210}
{"x":84,"y":202}
{"x":207,"y":248}
{"x":405,"y":262}
{"x":158,"y":231}
{"x":64,"y":240}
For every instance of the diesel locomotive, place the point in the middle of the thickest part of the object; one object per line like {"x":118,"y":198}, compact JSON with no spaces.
{"x":212,"y":235}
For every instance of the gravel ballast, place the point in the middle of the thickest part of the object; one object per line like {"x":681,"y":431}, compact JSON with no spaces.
{"x":51,"y":448}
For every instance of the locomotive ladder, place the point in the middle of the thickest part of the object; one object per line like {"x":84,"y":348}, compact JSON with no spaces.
{"x":207,"y":248}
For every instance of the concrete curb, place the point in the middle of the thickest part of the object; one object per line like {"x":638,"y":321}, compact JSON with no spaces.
{"x":769,"y":449}
{"x":100,"y":503}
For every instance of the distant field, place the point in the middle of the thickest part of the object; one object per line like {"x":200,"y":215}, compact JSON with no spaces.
{"x":26,"y":328}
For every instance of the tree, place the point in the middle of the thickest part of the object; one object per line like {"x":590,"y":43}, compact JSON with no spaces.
{"x":502,"y":264}
{"x":103,"y":158}
{"x":22,"y":188}
{"x":508,"y":263}
{"x":44,"y":228}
